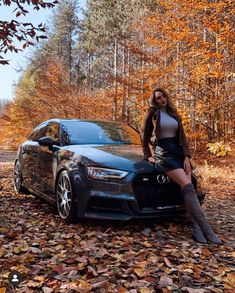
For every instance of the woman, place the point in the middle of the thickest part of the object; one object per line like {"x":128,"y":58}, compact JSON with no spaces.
{"x":172,"y":157}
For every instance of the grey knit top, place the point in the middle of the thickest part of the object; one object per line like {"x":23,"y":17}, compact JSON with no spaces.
{"x":168,"y":125}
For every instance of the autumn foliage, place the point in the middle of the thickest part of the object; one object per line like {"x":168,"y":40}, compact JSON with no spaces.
{"x":185,"y":46}
{"x":47,"y":94}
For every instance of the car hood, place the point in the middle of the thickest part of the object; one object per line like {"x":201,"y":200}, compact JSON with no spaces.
{"x":125,"y":157}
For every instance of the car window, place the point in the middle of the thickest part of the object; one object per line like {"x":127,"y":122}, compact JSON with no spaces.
{"x":53,"y":130}
{"x":38,"y":132}
{"x":84,"y":132}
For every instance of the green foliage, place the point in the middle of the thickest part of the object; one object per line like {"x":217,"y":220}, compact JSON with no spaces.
{"x":104,"y":33}
{"x":62,"y":39}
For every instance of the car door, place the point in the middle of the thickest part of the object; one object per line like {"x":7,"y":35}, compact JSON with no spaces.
{"x":30,"y":156}
{"x":48,"y":159}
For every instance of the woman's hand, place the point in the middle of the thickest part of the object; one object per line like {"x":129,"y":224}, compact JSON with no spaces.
{"x":151,"y":160}
{"x":187,"y":165}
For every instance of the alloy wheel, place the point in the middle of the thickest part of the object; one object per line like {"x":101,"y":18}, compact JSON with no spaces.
{"x":17,"y":177}
{"x":64,"y":195}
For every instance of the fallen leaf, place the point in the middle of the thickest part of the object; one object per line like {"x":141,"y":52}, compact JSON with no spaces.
{"x":147,"y":244}
{"x":2,"y":252}
{"x":191,"y":290}
{"x":168,"y":263}
{"x":127,"y":240}
{"x":47,"y":290}
{"x":33,"y":284}
{"x":39,"y":278}
{"x":165,"y":290}
{"x":72,"y":274}
{"x":206,"y":251}
{"x":146,"y":232}
{"x":197,"y":273}
{"x":145,"y":290}
{"x":35,"y":250}
{"x":84,"y":285}
{"x":173,"y":228}
{"x":122,"y":290}
{"x":100,"y":284}
{"x":140,"y":272}
{"x":231,"y":279}
{"x":59,"y":247}
{"x":20,"y":268}
{"x":92,"y":271}
{"x":165,"y":281}
{"x":150,"y":279}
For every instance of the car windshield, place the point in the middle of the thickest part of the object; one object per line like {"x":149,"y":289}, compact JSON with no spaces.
{"x":84,"y":132}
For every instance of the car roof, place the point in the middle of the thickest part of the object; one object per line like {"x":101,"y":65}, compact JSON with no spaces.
{"x":59,"y":120}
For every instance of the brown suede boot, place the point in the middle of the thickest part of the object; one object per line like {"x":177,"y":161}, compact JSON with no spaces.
{"x":197,"y":232}
{"x":197,"y":215}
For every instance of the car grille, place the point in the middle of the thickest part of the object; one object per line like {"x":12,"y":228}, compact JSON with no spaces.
{"x":154,"y":191}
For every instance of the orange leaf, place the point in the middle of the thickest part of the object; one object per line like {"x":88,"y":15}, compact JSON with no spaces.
{"x":206,"y":251}
{"x":168,"y":263}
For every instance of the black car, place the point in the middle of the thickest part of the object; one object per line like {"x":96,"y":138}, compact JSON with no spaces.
{"x":95,"y":169}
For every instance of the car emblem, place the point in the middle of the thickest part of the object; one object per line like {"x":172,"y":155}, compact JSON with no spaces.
{"x":162,"y":179}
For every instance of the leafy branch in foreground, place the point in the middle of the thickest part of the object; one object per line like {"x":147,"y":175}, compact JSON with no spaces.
{"x":25,"y":32}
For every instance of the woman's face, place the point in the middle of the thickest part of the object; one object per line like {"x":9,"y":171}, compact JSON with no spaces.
{"x":160,"y":99}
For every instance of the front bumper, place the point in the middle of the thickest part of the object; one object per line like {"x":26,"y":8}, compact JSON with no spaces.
{"x":136,"y":196}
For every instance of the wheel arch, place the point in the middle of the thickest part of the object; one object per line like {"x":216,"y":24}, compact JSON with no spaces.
{"x":69,"y":172}
{"x":58,"y":175}
{"x":21,"y":188}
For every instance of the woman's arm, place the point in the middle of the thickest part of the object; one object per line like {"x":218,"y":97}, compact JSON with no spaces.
{"x":146,"y":132}
{"x":187,"y":165}
{"x":186,"y":152}
{"x":184,"y":142}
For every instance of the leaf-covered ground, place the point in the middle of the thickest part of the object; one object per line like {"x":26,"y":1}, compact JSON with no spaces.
{"x":137,"y":256}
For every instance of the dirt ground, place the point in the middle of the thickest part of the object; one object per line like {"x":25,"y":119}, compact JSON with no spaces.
{"x":99,"y":256}
{"x":7,"y":156}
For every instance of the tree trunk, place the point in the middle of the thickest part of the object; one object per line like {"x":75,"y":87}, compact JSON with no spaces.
{"x":124,"y":114}
{"x":115,"y":80}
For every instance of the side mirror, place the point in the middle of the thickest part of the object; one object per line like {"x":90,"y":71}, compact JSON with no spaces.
{"x":46,"y":140}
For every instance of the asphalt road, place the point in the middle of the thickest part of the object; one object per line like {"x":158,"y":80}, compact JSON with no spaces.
{"x":7,"y":156}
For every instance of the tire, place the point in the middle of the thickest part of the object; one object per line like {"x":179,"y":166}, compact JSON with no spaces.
{"x":18,"y":179}
{"x":65,"y":201}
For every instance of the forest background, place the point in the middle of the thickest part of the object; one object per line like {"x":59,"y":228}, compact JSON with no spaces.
{"x":104,"y":64}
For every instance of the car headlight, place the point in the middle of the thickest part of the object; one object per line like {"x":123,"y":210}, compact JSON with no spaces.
{"x":105,"y":173}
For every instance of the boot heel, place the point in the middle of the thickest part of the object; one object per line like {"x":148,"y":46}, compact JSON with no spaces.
{"x":197,"y":233}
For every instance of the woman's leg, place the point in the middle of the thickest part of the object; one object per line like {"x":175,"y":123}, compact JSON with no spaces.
{"x":180,"y":177}
{"x":193,"y":207}
{"x":183,"y":179}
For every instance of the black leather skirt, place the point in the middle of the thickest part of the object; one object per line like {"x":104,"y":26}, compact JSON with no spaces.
{"x":167,"y":155}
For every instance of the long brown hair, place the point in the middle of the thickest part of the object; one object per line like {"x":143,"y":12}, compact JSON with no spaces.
{"x":170,"y":107}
